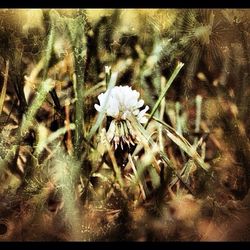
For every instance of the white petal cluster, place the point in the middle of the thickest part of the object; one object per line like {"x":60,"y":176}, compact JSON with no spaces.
{"x":120,"y":102}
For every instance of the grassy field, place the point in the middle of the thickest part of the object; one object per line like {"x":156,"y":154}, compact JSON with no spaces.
{"x":124,"y":125}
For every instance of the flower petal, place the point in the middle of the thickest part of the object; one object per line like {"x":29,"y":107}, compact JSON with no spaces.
{"x":136,"y":112}
{"x":111,"y":131}
{"x":97,"y":107}
{"x":140,"y":104}
{"x":143,"y":120}
{"x":122,"y":101}
{"x":141,"y":114}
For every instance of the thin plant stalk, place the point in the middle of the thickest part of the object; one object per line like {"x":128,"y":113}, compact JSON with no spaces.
{"x":137,"y":177}
{"x":164,"y":92}
{"x":162,"y":111}
{"x":198,"y":102}
{"x":75,"y":29}
{"x":4,"y":89}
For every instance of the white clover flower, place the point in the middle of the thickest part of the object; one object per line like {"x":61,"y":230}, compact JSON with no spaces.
{"x":121,"y":102}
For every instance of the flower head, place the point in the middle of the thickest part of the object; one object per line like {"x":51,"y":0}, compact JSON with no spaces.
{"x":121,"y":102}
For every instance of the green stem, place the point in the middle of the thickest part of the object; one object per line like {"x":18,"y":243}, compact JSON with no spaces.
{"x":170,"y":81}
{"x":75,"y":30}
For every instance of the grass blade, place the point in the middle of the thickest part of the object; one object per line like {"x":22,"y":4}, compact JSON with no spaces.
{"x":170,"y":81}
{"x":184,"y":145}
{"x":4,"y":89}
{"x":42,"y":92}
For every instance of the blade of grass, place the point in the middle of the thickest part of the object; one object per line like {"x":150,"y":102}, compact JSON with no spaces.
{"x":179,"y":125}
{"x":48,"y":54}
{"x":198,"y":102}
{"x":162,"y":111}
{"x":69,"y":143}
{"x":4,"y":89}
{"x":170,"y":81}
{"x":184,"y":145}
{"x":137,"y":177}
{"x":75,"y":28}
{"x":185,"y":171}
{"x":41,"y":94}
{"x":17,"y":82}
{"x":49,"y":45}
{"x":79,"y":115}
